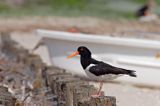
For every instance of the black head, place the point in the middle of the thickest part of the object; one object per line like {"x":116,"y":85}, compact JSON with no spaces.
{"x":84,"y":51}
{"x":85,"y":55}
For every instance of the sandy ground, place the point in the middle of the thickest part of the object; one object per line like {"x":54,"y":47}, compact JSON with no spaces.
{"x":126,"y":95}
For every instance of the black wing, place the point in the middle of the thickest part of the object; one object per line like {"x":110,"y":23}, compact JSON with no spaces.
{"x":102,"y":68}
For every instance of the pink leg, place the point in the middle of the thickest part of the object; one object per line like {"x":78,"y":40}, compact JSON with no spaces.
{"x":99,"y":90}
{"x":100,"y":87}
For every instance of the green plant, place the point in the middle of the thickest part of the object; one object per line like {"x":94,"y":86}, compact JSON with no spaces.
{"x":68,"y":3}
{"x":3,"y":7}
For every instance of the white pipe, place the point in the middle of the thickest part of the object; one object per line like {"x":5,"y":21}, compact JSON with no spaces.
{"x":152,"y":44}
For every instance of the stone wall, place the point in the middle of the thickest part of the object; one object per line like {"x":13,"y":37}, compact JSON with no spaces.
{"x":6,"y":98}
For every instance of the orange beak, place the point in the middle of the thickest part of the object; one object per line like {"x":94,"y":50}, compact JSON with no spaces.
{"x":74,"y":54}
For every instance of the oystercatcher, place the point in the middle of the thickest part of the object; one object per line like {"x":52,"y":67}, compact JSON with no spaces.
{"x":98,"y":70}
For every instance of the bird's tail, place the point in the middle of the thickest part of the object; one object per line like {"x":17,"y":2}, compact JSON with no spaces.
{"x":131,"y":73}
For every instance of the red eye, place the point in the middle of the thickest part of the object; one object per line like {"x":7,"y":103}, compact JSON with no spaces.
{"x":81,"y":49}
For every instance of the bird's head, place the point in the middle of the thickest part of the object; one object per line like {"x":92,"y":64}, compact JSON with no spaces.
{"x":82,"y":51}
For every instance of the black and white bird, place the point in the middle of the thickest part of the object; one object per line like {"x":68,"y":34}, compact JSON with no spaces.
{"x":98,"y":69}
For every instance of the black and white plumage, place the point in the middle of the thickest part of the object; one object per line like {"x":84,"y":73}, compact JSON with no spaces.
{"x":106,"y":71}
{"x":98,"y":70}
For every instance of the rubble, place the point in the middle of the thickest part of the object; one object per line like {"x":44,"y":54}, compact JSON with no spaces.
{"x":6,"y":98}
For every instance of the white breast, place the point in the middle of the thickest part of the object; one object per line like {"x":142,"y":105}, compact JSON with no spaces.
{"x":88,"y":67}
{"x":89,"y":74}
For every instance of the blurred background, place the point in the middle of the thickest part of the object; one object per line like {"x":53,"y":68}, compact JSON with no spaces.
{"x":122,"y":18}
{"x":96,"y":8}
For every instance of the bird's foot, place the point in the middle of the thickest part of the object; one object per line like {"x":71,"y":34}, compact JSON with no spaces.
{"x":98,"y":94}
{"x":95,"y":96}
